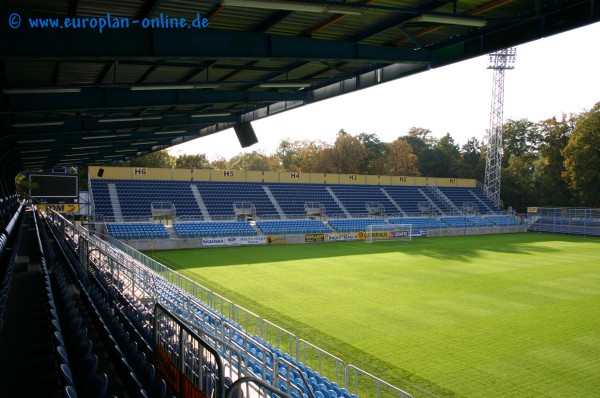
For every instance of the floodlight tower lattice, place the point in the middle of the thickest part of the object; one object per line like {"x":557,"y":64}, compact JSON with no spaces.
{"x":499,"y":61}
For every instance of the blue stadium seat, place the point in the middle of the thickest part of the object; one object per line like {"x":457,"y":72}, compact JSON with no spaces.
{"x":461,"y":196}
{"x":280,"y":227}
{"x":70,"y":392}
{"x":504,"y":220}
{"x":292,"y":198}
{"x":213,"y":228}
{"x":138,"y":231}
{"x":135,"y":198}
{"x":66,"y":375}
{"x":355,"y":225}
{"x":466,"y":222}
{"x":407,"y":197}
{"x":354,"y":198}
{"x":97,"y":386}
{"x":419,"y":223}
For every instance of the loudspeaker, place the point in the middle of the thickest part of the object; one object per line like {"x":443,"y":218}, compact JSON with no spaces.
{"x":245,"y":134}
{"x":100,"y":172}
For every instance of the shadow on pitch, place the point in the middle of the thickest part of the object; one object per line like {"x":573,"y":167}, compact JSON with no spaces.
{"x":458,"y":248}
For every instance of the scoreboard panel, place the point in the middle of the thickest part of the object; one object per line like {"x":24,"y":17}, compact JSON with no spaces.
{"x":54,"y":186}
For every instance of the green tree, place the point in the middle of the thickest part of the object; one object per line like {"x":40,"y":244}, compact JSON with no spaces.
{"x":83,"y":178}
{"x":252,"y":161}
{"x":553,"y":188}
{"x":582,"y":158}
{"x":441,"y":159}
{"x":160,"y":159}
{"x":220,"y":164}
{"x":517,"y":185}
{"x":288,"y":155}
{"x":520,"y":164}
{"x":424,"y":135}
{"x":519,"y":137}
{"x":423,"y":143}
{"x":470,"y":160}
{"x":449,"y":154}
{"x":374,"y":162}
{"x":419,"y":139}
{"x":198,"y":161}
{"x":23,"y":185}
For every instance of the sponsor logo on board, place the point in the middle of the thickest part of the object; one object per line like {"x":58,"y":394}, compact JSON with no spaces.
{"x":309,"y":238}
{"x":339,"y":237}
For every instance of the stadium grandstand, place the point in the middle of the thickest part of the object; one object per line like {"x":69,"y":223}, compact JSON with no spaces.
{"x":129,"y":203}
{"x":87,"y":83}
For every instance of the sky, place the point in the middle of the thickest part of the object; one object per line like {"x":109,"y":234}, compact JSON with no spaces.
{"x":552,"y":76}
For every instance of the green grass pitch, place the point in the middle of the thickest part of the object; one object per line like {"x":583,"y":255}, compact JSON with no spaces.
{"x":482,"y":316}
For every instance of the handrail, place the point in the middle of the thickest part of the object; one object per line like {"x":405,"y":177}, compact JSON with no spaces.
{"x":217,"y":357}
{"x":236,"y":385}
{"x":8,"y":230}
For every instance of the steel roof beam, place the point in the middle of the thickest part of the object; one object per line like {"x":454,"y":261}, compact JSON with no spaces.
{"x":29,"y":145}
{"x":271,"y":21}
{"x":105,"y":70}
{"x":147,"y":44}
{"x":110,"y":99}
{"x":73,"y":5}
{"x":103,"y":148}
{"x":91,"y":125}
{"x":392,"y":22}
{"x":149,"y":9}
{"x":197,"y":65}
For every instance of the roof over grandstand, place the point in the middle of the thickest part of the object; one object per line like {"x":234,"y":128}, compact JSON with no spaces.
{"x":104,"y":86}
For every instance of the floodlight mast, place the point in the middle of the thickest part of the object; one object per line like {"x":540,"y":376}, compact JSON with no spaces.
{"x":499,"y":61}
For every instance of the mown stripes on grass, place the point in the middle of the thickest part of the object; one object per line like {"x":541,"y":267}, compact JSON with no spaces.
{"x":483,"y":316}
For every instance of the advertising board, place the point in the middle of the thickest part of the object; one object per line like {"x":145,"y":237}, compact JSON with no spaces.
{"x":234,"y":241}
{"x":245,"y":240}
{"x":310,"y":238}
{"x":340,"y":237}
{"x":277,"y":240}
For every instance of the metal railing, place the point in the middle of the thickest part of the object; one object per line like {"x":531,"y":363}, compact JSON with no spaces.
{"x":322,"y":362}
{"x":362,"y":383}
{"x":496,"y":201}
{"x":575,"y":221}
{"x":175,"y":343}
{"x":150,"y":279}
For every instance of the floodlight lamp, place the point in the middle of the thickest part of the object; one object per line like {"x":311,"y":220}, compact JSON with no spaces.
{"x":211,"y":114}
{"x":170,"y":132}
{"x":194,"y":86}
{"x":38,"y":124}
{"x":129,"y":119}
{"x":447,"y":19}
{"x":284,"y":5}
{"x":42,"y":90}
{"x":284,"y":84}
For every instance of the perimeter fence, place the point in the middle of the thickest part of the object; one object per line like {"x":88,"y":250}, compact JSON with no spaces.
{"x":564,"y":220}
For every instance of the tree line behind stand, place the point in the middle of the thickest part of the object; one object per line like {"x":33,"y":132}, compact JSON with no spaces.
{"x":554,"y":162}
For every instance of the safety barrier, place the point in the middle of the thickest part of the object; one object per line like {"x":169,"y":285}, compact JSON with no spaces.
{"x":192,"y":368}
{"x":217,"y":317}
{"x":322,"y":361}
{"x":362,"y":383}
{"x":564,"y":220}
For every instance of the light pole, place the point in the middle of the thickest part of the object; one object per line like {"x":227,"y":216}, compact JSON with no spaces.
{"x":499,"y":61}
